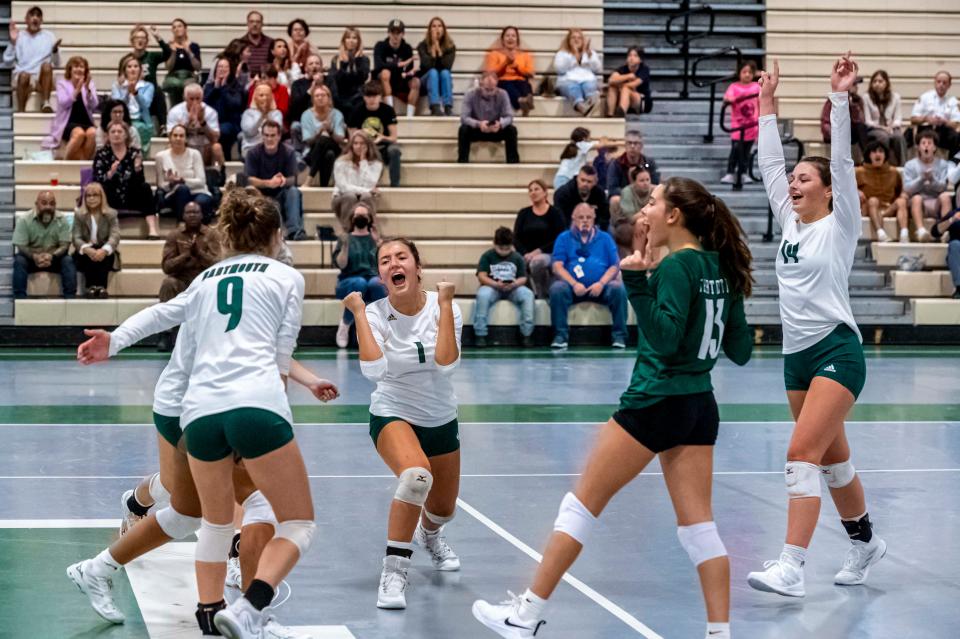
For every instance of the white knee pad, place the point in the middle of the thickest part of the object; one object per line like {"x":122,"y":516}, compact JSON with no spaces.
{"x":838,"y":475}
{"x":213,"y":541}
{"x":299,"y":532}
{"x":176,"y":526}
{"x":158,"y":493}
{"x":803,"y":479}
{"x":574,"y":519}
{"x":438,"y":519}
{"x":414,"y":485}
{"x":257,"y":510}
{"x":701,"y":542}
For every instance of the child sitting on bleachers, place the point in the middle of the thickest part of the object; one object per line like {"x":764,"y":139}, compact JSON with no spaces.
{"x":575,"y":154}
{"x":881,"y":192}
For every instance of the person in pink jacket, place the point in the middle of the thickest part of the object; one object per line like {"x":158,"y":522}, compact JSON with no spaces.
{"x":72,"y":124}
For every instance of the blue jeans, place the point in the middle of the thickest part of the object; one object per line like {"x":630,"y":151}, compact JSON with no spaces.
{"x":562,"y":298}
{"x":953,"y":260}
{"x":522,"y":297}
{"x":439,"y":86}
{"x":23,"y":266}
{"x":577,"y":92}
{"x":371,"y":289}
{"x":178,"y":199}
{"x":290,"y":201}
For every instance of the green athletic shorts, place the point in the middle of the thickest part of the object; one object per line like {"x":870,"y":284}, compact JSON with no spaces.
{"x":249,"y":432}
{"x":169,"y":428}
{"x":438,"y":440}
{"x":838,"y":356}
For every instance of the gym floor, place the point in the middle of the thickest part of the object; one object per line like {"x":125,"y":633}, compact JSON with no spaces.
{"x":75,"y":438}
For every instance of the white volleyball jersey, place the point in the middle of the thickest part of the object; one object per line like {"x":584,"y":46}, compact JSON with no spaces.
{"x":814,"y":261}
{"x":173,"y":381}
{"x":413,"y":387}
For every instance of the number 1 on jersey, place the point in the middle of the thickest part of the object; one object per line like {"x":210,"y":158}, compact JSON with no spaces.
{"x":712,"y":318}
{"x":230,"y":300}
{"x":420,"y":354}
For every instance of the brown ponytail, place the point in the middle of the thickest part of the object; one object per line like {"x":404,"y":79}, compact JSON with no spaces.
{"x":248,"y":220}
{"x":708,"y":217}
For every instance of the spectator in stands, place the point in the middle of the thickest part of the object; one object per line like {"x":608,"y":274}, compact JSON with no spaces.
{"x":42,"y":240}
{"x":379,"y":121}
{"x":356,"y":174}
{"x":96,"y":236}
{"x":575,"y":155}
{"x":189,"y":250}
{"x":72,"y":126}
{"x":925,"y":181}
{"x":534,"y":231}
{"x":271,"y":167}
{"x":951,"y":226}
{"x":181,"y":178}
{"x":503,"y":275}
{"x":629,"y":86}
{"x":437,"y":53}
{"x":577,"y":66}
{"x":349,"y":71}
{"x":940,"y":112}
{"x":583,"y":190}
{"x":324,"y":134}
{"x":514,"y":68}
{"x":487,"y":116}
{"x":281,"y":96}
{"x":225,"y":95}
{"x":182,"y":61}
{"x":118,"y":167}
{"x":238,"y":52}
{"x":32,"y":54}
{"x":632,"y":200}
{"x":881,"y":192}
{"x":859,"y":131}
{"x":882,"y":107}
{"x":618,"y":170}
{"x":150,"y":60}
{"x":137,"y":94}
{"x":280,"y":60}
{"x":586,"y":265}
{"x":356,"y":256}
{"x":260,"y":45}
{"x":395,"y":65}
{"x":300,"y":93}
{"x":116,"y":111}
{"x":300,"y":47}
{"x":202,"y":124}
{"x":262,"y":109}
{"x":743,"y":97}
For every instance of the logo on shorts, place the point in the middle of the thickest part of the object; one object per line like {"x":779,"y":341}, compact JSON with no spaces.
{"x":829,"y":368}
{"x":391,"y":317}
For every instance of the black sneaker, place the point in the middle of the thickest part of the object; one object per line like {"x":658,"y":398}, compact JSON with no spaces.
{"x":527,"y":341}
{"x":448,"y":109}
{"x":480,"y":341}
{"x":435,"y":109}
{"x":956,"y":294}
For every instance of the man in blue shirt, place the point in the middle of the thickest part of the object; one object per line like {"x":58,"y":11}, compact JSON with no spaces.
{"x":586,"y":265}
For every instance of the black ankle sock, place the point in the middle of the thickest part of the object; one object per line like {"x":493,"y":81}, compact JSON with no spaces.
{"x":205,"y":613}
{"x":259,"y":594}
{"x":235,"y":547}
{"x":859,"y":530}
{"x":399,"y":552}
{"x":136,"y":507}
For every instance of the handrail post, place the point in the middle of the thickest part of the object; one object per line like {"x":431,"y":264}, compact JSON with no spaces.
{"x":708,"y":138}
{"x":768,"y":236}
{"x":685,"y":48}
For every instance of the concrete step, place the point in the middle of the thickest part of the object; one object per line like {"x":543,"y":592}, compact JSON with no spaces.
{"x":922,"y":284}
{"x":887,"y":253}
{"x":928,"y":312}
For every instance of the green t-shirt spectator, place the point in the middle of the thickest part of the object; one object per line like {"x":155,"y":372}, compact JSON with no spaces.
{"x":361,"y":256}
{"x":500,"y":268}
{"x":30,"y":234}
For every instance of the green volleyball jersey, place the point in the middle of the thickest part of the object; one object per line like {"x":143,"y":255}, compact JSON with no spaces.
{"x":686,"y":312}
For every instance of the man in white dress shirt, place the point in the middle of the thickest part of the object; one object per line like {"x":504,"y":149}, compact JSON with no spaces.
{"x":939,"y":111}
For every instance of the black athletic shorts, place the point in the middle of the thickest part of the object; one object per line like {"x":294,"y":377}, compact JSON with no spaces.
{"x":678,"y":420}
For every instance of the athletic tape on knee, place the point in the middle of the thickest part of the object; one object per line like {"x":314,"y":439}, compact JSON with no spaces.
{"x":158,"y":493}
{"x":574,"y":519}
{"x":257,"y":510}
{"x":176,"y":526}
{"x":838,"y":475}
{"x":213,"y":541}
{"x":803,"y":479}
{"x":701,"y":542}
{"x":439,"y":520}
{"x":414,"y":485}
{"x":298,"y":531}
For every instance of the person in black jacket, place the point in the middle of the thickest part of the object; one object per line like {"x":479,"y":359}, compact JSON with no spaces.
{"x":534,"y":231}
{"x":395,"y":66}
{"x":437,"y":52}
{"x":227,"y":97}
{"x":583,"y":189}
{"x":349,"y":70}
{"x":629,"y":87}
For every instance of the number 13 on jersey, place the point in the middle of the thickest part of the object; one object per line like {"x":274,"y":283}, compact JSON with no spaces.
{"x":713,"y":321}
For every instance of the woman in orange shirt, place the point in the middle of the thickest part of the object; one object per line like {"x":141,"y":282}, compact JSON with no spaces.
{"x":514,"y":68}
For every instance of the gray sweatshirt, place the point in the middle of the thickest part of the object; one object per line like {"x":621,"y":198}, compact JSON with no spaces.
{"x":479,"y":107}
{"x":913,"y":177}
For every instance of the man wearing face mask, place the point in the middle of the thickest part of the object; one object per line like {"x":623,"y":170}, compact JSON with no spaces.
{"x":583,"y":190}
{"x":586,"y":265}
{"x":42,"y":239}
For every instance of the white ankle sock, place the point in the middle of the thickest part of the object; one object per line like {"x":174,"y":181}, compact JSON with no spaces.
{"x":410,"y":111}
{"x":718,"y":630}
{"x":794,"y":555}
{"x":531,"y":606}
{"x":389,"y":100}
{"x":103,"y":565}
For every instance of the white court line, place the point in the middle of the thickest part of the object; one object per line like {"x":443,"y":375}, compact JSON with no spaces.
{"x":590,"y":593}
